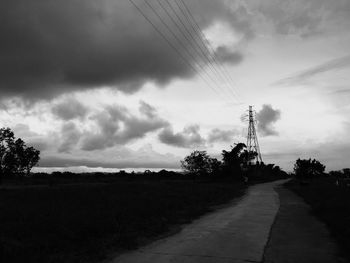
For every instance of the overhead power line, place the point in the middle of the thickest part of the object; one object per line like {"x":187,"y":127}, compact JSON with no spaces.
{"x":197,"y":32}
{"x":191,"y":53}
{"x":207,"y":45}
{"x":186,"y":32}
{"x":182,"y":43}
{"x":198,"y":55}
{"x":182,"y":57}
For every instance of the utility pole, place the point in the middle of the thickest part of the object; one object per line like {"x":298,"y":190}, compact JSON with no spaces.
{"x":252,"y":138}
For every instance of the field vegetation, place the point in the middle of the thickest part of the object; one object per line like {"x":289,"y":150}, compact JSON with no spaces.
{"x":68,"y":217}
{"x":329,"y":197}
{"x":86,"y":222}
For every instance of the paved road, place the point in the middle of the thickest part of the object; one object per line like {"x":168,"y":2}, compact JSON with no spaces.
{"x":234,"y":234}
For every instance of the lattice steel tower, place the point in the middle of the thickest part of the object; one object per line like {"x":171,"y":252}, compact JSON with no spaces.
{"x":252,"y":138}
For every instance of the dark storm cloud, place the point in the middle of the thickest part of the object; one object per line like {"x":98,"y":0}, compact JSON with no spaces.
{"x":266,"y":117}
{"x":217,"y":135}
{"x":116,"y":125}
{"x":69,"y":109}
{"x":188,"y":138}
{"x":52,"y":47}
{"x":334,"y":64}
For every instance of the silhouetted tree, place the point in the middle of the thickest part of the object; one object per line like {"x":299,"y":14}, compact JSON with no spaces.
{"x":346,"y":172}
{"x":6,"y":137}
{"x":276,"y":169}
{"x":16,"y":157}
{"x":307,"y":168}
{"x":235,"y":156}
{"x":215,"y":166}
{"x":336,"y":174}
{"x":31,"y":158}
{"x":238,"y":157}
{"x":198,"y":162}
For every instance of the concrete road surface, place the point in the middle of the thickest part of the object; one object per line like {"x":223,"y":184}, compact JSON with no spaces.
{"x":237,"y":233}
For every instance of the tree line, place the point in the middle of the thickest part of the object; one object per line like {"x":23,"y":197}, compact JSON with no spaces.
{"x":237,"y":163}
{"x":17,"y":159}
{"x":305,"y":169}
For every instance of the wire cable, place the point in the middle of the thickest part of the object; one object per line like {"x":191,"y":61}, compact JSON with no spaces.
{"x":194,"y":44}
{"x":184,"y":47}
{"x":192,"y":21}
{"x":163,"y":36}
{"x":198,"y":53}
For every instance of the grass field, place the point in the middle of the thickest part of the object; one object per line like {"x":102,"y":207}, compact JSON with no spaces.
{"x":331,"y":204}
{"x":84,"y":223}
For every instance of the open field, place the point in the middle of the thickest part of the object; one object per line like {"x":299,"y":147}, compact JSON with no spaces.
{"x":84,"y":223}
{"x":331,"y":204}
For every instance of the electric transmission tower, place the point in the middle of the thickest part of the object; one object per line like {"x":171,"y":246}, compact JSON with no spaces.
{"x":252,"y":138}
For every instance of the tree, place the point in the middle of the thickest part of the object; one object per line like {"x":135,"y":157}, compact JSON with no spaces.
{"x":336,"y":174}
{"x":307,"y":168}
{"x":31,"y":158}
{"x":236,"y":158}
{"x":346,"y":172}
{"x":233,"y":157}
{"x":215,"y":166}
{"x":16,"y":157}
{"x":198,"y":162}
{"x":6,"y":137}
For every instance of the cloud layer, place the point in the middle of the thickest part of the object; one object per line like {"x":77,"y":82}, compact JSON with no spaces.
{"x":266,"y":117}
{"x":69,"y":109}
{"x":217,"y":135}
{"x":332,"y":65}
{"x":144,"y":157}
{"x":115,"y":125}
{"x":188,"y":138}
{"x":53,"y":47}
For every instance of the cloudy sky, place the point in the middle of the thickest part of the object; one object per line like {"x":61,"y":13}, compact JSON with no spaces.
{"x":130,"y":84}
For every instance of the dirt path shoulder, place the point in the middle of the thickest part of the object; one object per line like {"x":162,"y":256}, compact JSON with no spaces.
{"x":297,"y":236}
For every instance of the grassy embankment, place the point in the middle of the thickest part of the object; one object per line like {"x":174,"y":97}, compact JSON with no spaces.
{"x":331,"y":204}
{"x":84,"y":223}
